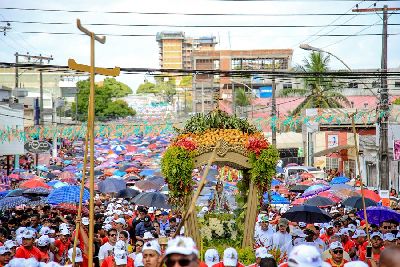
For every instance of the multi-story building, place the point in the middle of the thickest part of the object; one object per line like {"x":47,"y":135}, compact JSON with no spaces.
{"x":208,"y":88}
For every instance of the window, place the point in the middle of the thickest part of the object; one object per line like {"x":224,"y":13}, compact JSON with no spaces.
{"x":397,"y":84}
{"x":287,"y":86}
{"x":353,"y":85}
{"x":332,"y":163}
{"x":349,"y":168}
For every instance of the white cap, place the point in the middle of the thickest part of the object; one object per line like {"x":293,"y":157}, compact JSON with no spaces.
{"x":262,"y":253}
{"x":147,"y":236}
{"x":151,"y":210}
{"x":376,"y":234}
{"x":139,"y":260}
{"x":334,"y":210}
{"x":298,"y":232}
{"x":120,"y":257}
{"x":43,"y":241}
{"x":359,"y":233}
{"x":230,"y":257}
{"x":335,"y":245}
{"x":20,"y":230}
{"x":45,"y":231}
{"x":120,"y":220}
{"x":204,"y":209}
{"x":352,"y":227}
{"x":18,"y":262}
{"x":181,"y":245}
{"x":19,"y":239}
{"x":28,"y":234}
{"x":78,"y":255}
{"x":62,"y":226}
{"x":302,"y":224}
{"x":152,"y":245}
{"x":65,"y":231}
{"x":118,"y":212}
{"x":4,"y":250}
{"x":211,"y":257}
{"x":108,"y":219}
{"x":85,"y":221}
{"x":10,"y":244}
{"x":356,"y":264}
{"x":120,"y":245}
{"x":298,"y":241}
{"x":344,"y":231}
{"x":129,"y":213}
{"x":389,"y":237}
{"x":305,"y":256}
{"x":107,"y":227}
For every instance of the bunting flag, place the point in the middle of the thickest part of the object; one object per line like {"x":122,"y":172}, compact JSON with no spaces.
{"x":121,"y":130}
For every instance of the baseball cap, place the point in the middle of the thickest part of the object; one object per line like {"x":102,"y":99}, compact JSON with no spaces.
{"x":376,"y":234}
{"x":298,"y":233}
{"x":283,"y":221}
{"x":356,"y":264}
{"x":389,"y":237}
{"x":62,"y":226}
{"x":230,"y":257}
{"x":158,"y":212}
{"x":164,"y":213}
{"x":181,"y":245}
{"x":65,"y":231}
{"x":139,"y":260}
{"x":46,"y":230}
{"x":28,"y":234}
{"x":305,"y":256}
{"x":152,"y":245}
{"x":85,"y":221}
{"x":344,"y":231}
{"x":147,"y":236}
{"x":120,"y":220}
{"x":107,"y":226}
{"x":108,"y":220}
{"x":20,"y":230}
{"x":120,"y":245}
{"x":264,"y":218}
{"x":120,"y":257}
{"x":151,"y":210}
{"x":359,"y":233}
{"x":302,"y":224}
{"x":118,"y":212}
{"x":4,"y":250}
{"x":211,"y":257}
{"x":335,"y":245}
{"x":43,"y":241}
{"x":262,"y":253}
{"x":10,"y":244}
{"x":78,"y":255}
{"x":352,"y":227}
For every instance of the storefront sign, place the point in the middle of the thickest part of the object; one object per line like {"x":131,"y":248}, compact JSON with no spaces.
{"x":37,"y":147}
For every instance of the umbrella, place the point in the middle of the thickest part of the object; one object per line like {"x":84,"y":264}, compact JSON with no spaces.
{"x":152,"y":199}
{"x":340,"y":180}
{"x":377,"y":215}
{"x":319,"y":201}
{"x":275,"y":182}
{"x":147,"y":172}
{"x":146,"y":185}
{"x":36,"y":201}
{"x":127,"y":193}
{"x":119,"y":173}
{"x":66,"y":175}
{"x":330,"y":195}
{"x":50,"y":175}
{"x":298,"y":201}
{"x":315,"y":189}
{"x":42,"y":168}
{"x":71,"y":208}
{"x":14,"y":176}
{"x":32,"y":183}
{"x":38,"y":191}
{"x":67,"y":194}
{"x":15,"y":193}
{"x":118,"y":148}
{"x":299,"y":188}
{"x":12,"y":202}
{"x":370,"y":194}
{"x":156,"y":180}
{"x":55,"y":167}
{"x":4,"y":193}
{"x":112,"y":185}
{"x":276,"y":199}
{"x":356,"y":202}
{"x":307,"y":214}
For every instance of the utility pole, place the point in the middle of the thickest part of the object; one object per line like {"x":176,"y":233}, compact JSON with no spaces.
{"x":384,"y":101}
{"x":273,"y":110}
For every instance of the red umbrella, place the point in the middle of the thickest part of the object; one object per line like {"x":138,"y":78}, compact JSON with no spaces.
{"x":71,"y":208}
{"x":308,"y":182}
{"x":152,"y":146}
{"x":330,"y":195}
{"x":34,"y":183}
{"x":14,"y":176}
{"x":131,"y":148}
{"x":132,"y":169}
{"x":370,"y":194}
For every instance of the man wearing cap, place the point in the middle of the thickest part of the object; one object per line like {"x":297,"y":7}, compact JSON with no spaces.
{"x":377,"y":247}
{"x":389,"y":240}
{"x":181,"y":252}
{"x":282,"y":239}
{"x":211,"y":257}
{"x":230,"y":259}
{"x":143,"y":227}
{"x":28,"y":250}
{"x":261,"y":253}
{"x":264,"y":233}
{"x":151,"y":254}
{"x":328,"y":233}
{"x":5,"y":256}
{"x":12,"y":246}
{"x":348,"y":244}
{"x":43,"y":244}
{"x":107,"y":249}
{"x":336,"y":250}
{"x":327,"y":254}
{"x":164,"y":222}
{"x":119,"y":224}
{"x":359,"y":238}
{"x":62,"y":244}
{"x":304,"y":256}
{"x":78,"y":257}
{"x":119,"y":258}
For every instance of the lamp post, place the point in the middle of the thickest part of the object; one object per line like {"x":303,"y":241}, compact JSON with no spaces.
{"x":316,"y":49}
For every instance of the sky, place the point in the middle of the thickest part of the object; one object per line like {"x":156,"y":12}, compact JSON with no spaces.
{"x":359,"y":52}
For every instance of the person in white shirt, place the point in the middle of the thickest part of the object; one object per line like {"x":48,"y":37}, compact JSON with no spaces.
{"x":282,"y":239}
{"x":263,"y":234}
{"x":107,"y":249}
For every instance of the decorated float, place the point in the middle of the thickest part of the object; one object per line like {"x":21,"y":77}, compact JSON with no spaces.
{"x":219,"y":139}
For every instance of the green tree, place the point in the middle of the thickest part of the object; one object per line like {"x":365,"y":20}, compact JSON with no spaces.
{"x":167,"y":89}
{"x":186,"y":81}
{"x":104,"y":108}
{"x":319,"y":90}
{"x":147,"y":88}
{"x":396,"y":101}
{"x":117,"y":88}
{"x":242,"y":99}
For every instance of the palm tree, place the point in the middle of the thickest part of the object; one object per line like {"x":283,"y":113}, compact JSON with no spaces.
{"x":319,"y":91}
{"x":242,"y":99}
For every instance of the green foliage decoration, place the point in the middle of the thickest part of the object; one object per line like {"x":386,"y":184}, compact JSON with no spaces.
{"x":264,"y":166}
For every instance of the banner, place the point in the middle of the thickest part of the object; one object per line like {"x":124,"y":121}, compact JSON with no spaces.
{"x":396,"y":150}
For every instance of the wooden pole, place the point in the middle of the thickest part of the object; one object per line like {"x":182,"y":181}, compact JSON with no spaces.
{"x":359,"y":173}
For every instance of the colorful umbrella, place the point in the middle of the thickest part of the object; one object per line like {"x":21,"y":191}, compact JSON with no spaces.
{"x":299,"y":188}
{"x":340,"y":180}
{"x":306,"y":175}
{"x":67,"y":194}
{"x":32,"y":183}
{"x":330,"y":195}
{"x":370,"y":194}
{"x":377,"y":215}
{"x":12,"y":202}
{"x":112,"y":185}
{"x":38,"y":191}
{"x":315,"y":189}
{"x":146,"y":185}
{"x":71,"y":208}
{"x":15,"y":193}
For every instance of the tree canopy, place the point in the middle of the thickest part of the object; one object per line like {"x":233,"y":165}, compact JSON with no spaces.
{"x":117,"y":88}
{"x":147,"y":88}
{"x":105,"y":108}
{"x":161,"y":87}
{"x":396,"y":101}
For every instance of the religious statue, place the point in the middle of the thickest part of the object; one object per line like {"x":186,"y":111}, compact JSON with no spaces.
{"x":219,"y":201}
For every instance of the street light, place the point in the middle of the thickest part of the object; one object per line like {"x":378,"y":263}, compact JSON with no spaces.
{"x":316,"y":49}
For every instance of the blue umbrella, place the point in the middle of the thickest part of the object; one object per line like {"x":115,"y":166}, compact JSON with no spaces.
{"x":4,"y":193}
{"x":112,"y":185}
{"x":37,"y":201}
{"x":275,"y":182}
{"x":147,"y":172}
{"x":340,"y":180}
{"x":377,"y":215}
{"x":37,"y":191}
{"x":12,"y":202}
{"x":67,"y":194}
{"x":315,"y":189}
{"x":67,"y":162}
{"x":15,"y":193}
{"x":276,"y":198}
{"x":118,"y":148}
{"x":119,"y":173}
{"x":53,"y":182}
{"x":42,"y":168}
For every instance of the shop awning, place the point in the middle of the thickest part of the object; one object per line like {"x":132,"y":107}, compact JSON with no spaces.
{"x":332,"y":150}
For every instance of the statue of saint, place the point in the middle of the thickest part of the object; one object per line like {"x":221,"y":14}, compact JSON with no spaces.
{"x":219,"y":201}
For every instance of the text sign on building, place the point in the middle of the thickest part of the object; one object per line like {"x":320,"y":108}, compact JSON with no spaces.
{"x":333,"y":140}
{"x":37,"y":147}
{"x":266,"y":91}
{"x":396,"y":149}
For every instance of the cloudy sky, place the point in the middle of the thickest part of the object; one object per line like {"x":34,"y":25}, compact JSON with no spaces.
{"x":356,"y":51}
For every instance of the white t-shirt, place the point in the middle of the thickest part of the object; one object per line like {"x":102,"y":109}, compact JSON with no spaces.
{"x":105,"y":251}
{"x":282,"y":241}
{"x":263,"y":238}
